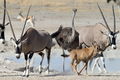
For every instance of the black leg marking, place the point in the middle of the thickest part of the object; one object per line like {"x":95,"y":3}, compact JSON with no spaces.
{"x":40,"y":67}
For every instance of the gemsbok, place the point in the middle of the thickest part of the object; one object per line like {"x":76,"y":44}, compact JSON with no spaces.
{"x":33,"y":41}
{"x":2,"y":26}
{"x":102,"y":35}
{"x":67,"y":38}
{"x":30,"y":19}
{"x":84,"y":55}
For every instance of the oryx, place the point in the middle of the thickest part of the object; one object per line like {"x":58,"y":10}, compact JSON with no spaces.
{"x":32,"y":41}
{"x":2,"y":26}
{"x":101,"y":34}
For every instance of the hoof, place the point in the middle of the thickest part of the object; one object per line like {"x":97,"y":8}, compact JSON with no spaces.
{"x":40,"y":72}
{"x":78,"y":73}
{"x":47,"y":71}
{"x":27,"y":75}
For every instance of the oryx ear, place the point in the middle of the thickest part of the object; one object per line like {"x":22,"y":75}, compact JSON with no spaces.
{"x":117,"y":32}
{"x":13,"y":41}
{"x":85,"y":44}
{"x":7,"y":23}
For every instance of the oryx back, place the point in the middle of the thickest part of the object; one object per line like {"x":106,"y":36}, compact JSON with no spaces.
{"x":89,"y":34}
{"x":35,"y":41}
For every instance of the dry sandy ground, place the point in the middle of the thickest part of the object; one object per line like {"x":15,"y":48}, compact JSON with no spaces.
{"x":72,"y":77}
{"x":49,"y":16}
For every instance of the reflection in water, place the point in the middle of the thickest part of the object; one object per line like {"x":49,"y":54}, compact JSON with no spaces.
{"x":112,"y":65}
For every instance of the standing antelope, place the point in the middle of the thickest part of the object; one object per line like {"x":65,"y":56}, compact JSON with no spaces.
{"x":30,"y":19}
{"x":33,"y":41}
{"x":67,"y":38}
{"x":2,"y":26}
{"x":102,"y":35}
{"x":84,"y":54}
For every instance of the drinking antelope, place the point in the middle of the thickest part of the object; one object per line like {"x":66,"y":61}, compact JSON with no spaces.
{"x":103,"y":36}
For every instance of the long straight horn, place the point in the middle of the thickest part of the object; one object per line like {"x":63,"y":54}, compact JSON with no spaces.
{"x":11,"y":26}
{"x":25,"y":21}
{"x":103,"y":17}
{"x":4,"y":13}
{"x":114,"y":18}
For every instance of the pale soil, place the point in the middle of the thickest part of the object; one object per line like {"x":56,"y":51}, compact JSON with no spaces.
{"x":71,"y":77}
{"x":49,"y":15}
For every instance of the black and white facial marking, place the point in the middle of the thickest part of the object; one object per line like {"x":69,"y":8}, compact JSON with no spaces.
{"x":17,"y":46}
{"x":18,"y":49}
{"x":112,"y":37}
{"x":2,"y":33}
{"x":112,"y":33}
{"x":2,"y":37}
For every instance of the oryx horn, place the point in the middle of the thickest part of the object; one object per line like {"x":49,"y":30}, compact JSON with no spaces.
{"x":11,"y":26}
{"x":4,"y":13}
{"x":25,"y":21}
{"x":114,"y":18}
{"x":104,"y":18}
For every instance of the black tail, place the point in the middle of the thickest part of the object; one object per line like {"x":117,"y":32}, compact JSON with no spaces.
{"x":55,"y":34}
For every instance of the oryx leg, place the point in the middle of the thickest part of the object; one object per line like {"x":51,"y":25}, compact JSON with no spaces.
{"x":28,"y":65}
{"x":26,"y":71}
{"x":26,"y":58}
{"x":48,"y":58}
{"x":101,"y":57}
{"x":40,"y":66}
{"x":96,"y":64}
{"x":103,"y":63}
